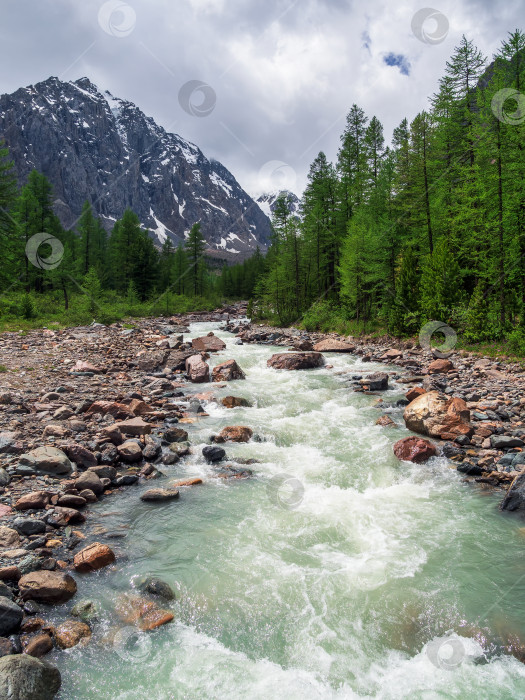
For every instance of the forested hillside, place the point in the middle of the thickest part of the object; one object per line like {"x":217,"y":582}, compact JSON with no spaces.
{"x":50,"y":273}
{"x":431,"y":227}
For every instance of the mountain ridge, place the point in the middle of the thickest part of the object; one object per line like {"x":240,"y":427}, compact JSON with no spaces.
{"x":94,"y":146}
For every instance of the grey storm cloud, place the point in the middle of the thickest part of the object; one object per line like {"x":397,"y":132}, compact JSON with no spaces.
{"x":284,"y":73}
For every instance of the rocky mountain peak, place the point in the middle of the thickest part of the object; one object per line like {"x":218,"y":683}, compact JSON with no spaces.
{"x":97,"y":147}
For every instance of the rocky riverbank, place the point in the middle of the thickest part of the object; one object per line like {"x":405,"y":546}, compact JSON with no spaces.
{"x":87,"y":413}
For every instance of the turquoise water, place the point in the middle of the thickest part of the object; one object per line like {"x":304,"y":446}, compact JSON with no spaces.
{"x":336,"y":572}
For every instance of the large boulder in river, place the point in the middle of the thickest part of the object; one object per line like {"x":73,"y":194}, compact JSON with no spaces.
{"x":197,"y":370}
{"x":23,"y":677}
{"x":47,"y":460}
{"x":333,"y":345}
{"x":227,"y":371}
{"x":208,"y":343}
{"x":515,"y":496}
{"x":414,"y":449}
{"x":296,"y":360}
{"x":53,"y":587}
{"x":437,"y":415}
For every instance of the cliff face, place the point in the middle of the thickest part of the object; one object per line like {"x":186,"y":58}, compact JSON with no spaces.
{"x":93,"y":146}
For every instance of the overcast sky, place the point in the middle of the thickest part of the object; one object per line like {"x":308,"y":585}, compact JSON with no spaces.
{"x":282,"y":74}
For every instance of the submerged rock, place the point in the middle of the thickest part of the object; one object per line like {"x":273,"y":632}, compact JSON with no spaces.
{"x":155,"y":586}
{"x":70,"y":633}
{"x":160,"y":495}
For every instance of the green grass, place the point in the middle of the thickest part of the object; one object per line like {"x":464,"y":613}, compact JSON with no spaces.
{"x":49,"y":310}
{"x":3,"y":368}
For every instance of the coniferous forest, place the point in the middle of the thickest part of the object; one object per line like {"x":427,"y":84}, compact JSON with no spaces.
{"x":430,"y":227}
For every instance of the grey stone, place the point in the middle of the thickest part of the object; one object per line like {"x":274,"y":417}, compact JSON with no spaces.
{"x":24,"y":677}
{"x":10,"y":616}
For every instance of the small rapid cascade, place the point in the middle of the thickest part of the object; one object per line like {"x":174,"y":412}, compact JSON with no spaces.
{"x":336,"y":571}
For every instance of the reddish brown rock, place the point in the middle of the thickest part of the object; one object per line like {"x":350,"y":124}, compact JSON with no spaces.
{"x":119,"y":411}
{"x":440,"y":366}
{"x":70,"y":500}
{"x":234,"y":433}
{"x":414,"y":393}
{"x":333,"y":345}
{"x":234,"y":401}
{"x":392,"y":354}
{"x":384,"y":421}
{"x":134,"y":426}
{"x":51,"y":587}
{"x":94,"y":556}
{"x":227,"y":371}
{"x":10,"y":573}
{"x":140,"y":408}
{"x":81,"y":366}
{"x":197,"y":370}
{"x":296,"y":360}
{"x":39,"y":646}
{"x":35,"y":500}
{"x":70,"y":633}
{"x":435,"y":414}
{"x":5,"y":510}
{"x":129,"y":452}
{"x":208,"y":343}
{"x":81,"y":456}
{"x":414,"y":449}
{"x":185,"y":482}
{"x":64,"y":516}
